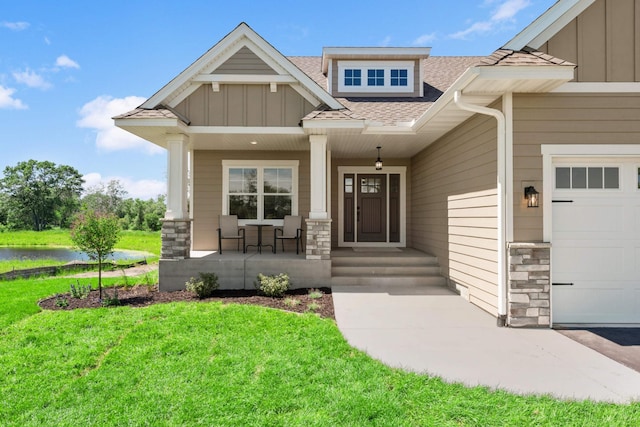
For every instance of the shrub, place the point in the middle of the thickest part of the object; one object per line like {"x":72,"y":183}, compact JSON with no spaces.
{"x":108,"y":301}
{"x":79,"y":292}
{"x":291,"y":302}
{"x":204,"y":286}
{"x":315,"y":293}
{"x":273,"y":286}
{"x":313,"y":307}
{"x":61,"y":301}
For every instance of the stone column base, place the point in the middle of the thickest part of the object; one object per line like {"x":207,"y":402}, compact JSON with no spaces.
{"x":318,"y":238}
{"x":529,"y":303}
{"x":176,"y":239}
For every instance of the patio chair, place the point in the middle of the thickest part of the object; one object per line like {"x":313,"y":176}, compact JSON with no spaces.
{"x":229,"y":230}
{"x":290,"y":230}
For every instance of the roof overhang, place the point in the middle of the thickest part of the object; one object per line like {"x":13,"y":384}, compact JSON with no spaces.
{"x":372,"y":53}
{"x":548,"y":24}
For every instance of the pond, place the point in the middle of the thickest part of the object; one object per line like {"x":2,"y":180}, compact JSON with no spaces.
{"x":62,"y":254}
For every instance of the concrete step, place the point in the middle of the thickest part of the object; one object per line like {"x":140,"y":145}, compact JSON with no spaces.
{"x":388,"y":280}
{"x":385,"y":261}
{"x":385,"y":270}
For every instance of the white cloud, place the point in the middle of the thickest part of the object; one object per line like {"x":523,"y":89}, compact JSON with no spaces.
{"x":32,"y":79}
{"x":8,"y":101}
{"x":143,"y":189}
{"x":15,"y":26}
{"x":47,"y":41}
{"x":504,"y":12}
{"x":425,"y":39}
{"x":63,"y":61}
{"x":97,"y":115}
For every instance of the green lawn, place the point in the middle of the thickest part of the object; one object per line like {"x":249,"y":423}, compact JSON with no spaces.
{"x":211,"y":364}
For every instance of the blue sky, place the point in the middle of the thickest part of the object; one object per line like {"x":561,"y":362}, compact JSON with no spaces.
{"x":66,"y":67}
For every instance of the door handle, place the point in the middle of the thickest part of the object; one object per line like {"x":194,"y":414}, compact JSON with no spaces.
{"x":358,"y":215}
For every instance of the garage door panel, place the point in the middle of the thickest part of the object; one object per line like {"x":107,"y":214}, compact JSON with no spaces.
{"x":595,"y":303}
{"x":570,"y":218}
{"x":596,"y":248}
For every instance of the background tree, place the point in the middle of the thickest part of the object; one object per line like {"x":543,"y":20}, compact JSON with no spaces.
{"x":96,"y":234}
{"x":105,"y":198}
{"x":40,"y":194}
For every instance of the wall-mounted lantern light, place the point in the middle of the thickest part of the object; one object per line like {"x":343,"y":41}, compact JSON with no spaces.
{"x":531,"y":195}
{"x":378,"y":161}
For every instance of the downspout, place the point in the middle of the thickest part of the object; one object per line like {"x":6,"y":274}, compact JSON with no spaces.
{"x":501,"y":141}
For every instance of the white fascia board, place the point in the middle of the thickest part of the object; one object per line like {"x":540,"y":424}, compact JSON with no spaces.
{"x":244,"y":78}
{"x":446,"y":98}
{"x":598,"y":87}
{"x":526,"y":72}
{"x":333,"y":124}
{"x":241,"y":130}
{"x":548,"y":24}
{"x":167,"y":123}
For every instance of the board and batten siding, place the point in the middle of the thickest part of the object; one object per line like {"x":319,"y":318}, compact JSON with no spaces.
{"x":563,"y":119}
{"x":207,"y":194}
{"x":604,"y":41}
{"x":245,"y":105}
{"x":454,"y":208}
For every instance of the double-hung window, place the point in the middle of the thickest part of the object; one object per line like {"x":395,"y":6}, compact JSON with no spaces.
{"x":260,"y":191}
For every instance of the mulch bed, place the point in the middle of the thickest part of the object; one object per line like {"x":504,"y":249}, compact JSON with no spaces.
{"x":142,"y":296}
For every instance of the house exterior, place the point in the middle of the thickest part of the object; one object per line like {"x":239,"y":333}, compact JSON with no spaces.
{"x":251,"y":132}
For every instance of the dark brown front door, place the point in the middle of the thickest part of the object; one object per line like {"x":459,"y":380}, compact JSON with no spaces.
{"x":371,"y":210}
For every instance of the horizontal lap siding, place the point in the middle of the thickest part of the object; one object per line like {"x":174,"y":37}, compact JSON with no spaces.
{"x":563,"y":119}
{"x":207,"y":190}
{"x":454,"y":208}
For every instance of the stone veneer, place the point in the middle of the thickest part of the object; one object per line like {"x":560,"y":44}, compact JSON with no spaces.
{"x":529,"y":285}
{"x":318,"y":239}
{"x":176,"y":239}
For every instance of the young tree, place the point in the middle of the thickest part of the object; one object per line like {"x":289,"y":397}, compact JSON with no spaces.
{"x":96,"y":234}
{"x":39,"y":194}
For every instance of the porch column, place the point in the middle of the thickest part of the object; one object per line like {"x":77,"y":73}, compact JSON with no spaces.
{"x":318,"y":223}
{"x":176,"y":226}
{"x":318,"y":177}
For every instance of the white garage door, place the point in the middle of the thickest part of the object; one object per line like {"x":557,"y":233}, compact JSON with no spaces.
{"x":596,"y":241}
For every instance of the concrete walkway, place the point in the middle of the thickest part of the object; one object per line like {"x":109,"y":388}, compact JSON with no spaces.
{"x":435,"y":331}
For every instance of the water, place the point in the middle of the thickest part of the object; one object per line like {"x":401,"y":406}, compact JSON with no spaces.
{"x":62,"y":254}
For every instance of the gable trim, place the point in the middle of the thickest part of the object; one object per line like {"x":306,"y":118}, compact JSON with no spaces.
{"x":548,"y":24}
{"x":242,"y":35}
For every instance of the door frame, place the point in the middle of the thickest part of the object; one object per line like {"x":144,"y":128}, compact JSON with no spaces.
{"x":371,"y":170}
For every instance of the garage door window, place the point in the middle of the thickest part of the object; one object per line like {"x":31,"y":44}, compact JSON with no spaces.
{"x":582,"y":177}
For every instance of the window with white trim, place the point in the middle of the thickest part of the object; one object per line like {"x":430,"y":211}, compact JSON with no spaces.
{"x":260,"y":191}
{"x":587,"y":177}
{"x":376,"y":76}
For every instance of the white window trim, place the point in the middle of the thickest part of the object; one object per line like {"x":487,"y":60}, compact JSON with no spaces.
{"x":388,"y":170}
{"x":387,"y":66}
{"x":260,"y":165}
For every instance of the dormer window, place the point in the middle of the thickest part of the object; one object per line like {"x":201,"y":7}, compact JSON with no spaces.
{"x":399,"y":77}
{"x":376,"y":77}
{"x":352,"y":77}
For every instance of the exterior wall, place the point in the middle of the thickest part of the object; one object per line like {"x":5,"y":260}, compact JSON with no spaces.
{"x":453,"y":210}
{"x":245,"y":105}
{"x":529,"y":285}
{"x":563,"y":119}
{"x":244,"y":61}
{"x":207,"y":194}
{"x":416,"y":84}
{"x":335,"y":182}
{"x":604,"y":41}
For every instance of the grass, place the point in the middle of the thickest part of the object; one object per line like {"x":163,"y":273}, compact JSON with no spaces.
{"x":213,"y":364}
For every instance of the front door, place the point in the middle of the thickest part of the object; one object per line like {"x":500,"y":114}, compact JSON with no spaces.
{"x":371,"y":207}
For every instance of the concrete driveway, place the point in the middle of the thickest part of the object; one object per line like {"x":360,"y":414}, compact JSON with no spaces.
{"x":435,"y":331}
